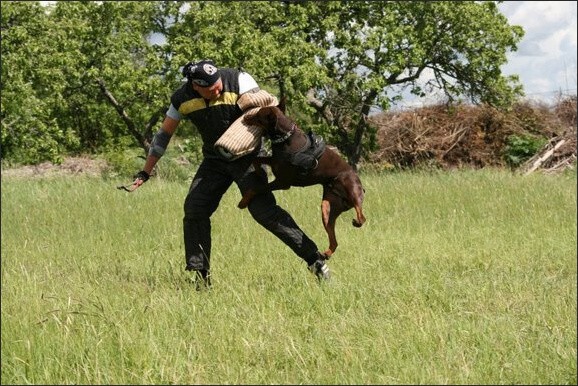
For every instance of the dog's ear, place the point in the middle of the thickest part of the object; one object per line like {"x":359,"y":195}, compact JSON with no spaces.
{"x":265,"y":117}
{"x":281,"y":104}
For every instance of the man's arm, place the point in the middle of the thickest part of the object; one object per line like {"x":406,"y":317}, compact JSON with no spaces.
{"x":160,"y":142}
{"x":157,"y":149}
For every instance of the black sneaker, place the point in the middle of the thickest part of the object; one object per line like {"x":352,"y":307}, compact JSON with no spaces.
{"x":321,"y":270}
{"x":202,"y":280}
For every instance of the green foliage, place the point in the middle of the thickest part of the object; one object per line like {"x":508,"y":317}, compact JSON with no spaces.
{"x":52,"y":59}
{"x":122,"y":163}
{"x":30,"y":129}
{"x":89,"y":76}
{"x":520,"y":148}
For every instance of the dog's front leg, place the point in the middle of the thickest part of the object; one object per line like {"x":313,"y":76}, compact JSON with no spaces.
{"x":278,"y":184}
{"x":246,"y":199}
{"x":249,"y":194}
{"x":258,"y":161}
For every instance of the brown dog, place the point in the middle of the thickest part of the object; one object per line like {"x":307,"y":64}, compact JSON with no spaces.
{"x":294,"y":164}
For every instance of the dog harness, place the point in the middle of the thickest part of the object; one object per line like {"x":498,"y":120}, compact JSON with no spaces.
{"x":306,"y":158}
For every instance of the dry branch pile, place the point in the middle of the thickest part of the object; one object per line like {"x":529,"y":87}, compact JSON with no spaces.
{"x":560,"y":152}
{"x":475,"y":136}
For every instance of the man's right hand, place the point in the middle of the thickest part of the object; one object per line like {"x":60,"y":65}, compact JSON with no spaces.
{"x":142,"y":175}
{"x":139,"y":179}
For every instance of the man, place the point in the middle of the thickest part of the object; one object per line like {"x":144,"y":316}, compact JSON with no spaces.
{"x":209,"y":99}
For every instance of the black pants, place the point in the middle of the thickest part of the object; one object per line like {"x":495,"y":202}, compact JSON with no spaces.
{"x":211,"y":181}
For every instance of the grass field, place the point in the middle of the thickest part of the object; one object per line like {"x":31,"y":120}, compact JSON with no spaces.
{"x":462,"y":277}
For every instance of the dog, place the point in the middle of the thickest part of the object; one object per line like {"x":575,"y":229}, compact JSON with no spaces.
{"x":300,"y":159}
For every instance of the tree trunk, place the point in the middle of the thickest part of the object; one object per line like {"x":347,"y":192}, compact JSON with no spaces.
{"x":360,"y":129}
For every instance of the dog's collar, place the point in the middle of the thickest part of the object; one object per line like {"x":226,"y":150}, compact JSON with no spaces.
{"x":284,"y":137}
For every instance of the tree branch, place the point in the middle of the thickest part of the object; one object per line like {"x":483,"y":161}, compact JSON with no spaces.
{"x":144,"y":143}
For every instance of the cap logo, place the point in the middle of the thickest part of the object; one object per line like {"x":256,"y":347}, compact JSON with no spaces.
{"x":209,"y":68}
{"x":203,"y":73}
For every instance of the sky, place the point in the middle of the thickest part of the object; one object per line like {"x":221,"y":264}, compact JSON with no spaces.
{"x":545,"y":60}
{"x":546,"y":56}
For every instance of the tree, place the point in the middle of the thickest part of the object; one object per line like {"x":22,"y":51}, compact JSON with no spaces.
{"x":344,"y":58}
{"x":116,"y":85}
{"x":30,"y":87}
{"x":83,"y":75}
{"x":377,"y":49}
{"x":90,"y":78}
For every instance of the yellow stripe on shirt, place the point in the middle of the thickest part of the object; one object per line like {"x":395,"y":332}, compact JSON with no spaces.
{"x":226,"y":98}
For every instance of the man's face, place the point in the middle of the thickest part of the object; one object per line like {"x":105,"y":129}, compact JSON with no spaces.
{"x":211,"y":92}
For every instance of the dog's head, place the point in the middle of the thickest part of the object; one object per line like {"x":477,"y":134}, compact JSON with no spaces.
{"x":265,"y":117}
{"x":273,"y":120}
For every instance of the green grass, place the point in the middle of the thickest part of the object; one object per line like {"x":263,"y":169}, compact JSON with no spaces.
{"x":456,"y":278}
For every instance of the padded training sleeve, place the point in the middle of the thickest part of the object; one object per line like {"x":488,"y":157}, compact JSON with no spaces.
{"x":159,"y":144}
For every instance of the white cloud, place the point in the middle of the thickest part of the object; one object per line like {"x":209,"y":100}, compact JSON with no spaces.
{"x":546,"y":56}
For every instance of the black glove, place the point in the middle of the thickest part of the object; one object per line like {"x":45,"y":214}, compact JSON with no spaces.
{"x":139,"y":179}
{"x":142,"y":175}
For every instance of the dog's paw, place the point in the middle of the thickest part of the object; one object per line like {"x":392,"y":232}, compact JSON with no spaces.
{"x":246,"y":199}
{"x":327,"y":254}
{"x":356,"y":223}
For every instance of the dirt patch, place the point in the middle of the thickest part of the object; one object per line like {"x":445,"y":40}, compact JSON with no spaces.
{"x":70,"y":166}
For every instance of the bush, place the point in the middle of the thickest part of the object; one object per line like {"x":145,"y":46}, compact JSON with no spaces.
{"x":520,"y":148}
{"x":123,"y":163}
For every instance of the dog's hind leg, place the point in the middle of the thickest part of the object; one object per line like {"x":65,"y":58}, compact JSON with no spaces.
{"x":355,"y":195}
{"x":328,"y":216}
{"x":257,"y":164}
{"x":251,"y":193}
{"x":358,"y":222}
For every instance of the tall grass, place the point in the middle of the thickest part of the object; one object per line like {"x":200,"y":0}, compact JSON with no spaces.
{"x":456,"y":278}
